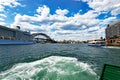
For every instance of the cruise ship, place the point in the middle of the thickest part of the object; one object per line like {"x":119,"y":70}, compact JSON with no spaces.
{"x":14,"y":36}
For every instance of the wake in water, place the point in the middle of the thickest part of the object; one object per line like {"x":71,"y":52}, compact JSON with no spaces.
{"x":51,"y":68}
{"x":112,"y":47}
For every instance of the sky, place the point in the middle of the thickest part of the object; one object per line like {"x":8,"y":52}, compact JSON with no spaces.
{"x":61,"y":19}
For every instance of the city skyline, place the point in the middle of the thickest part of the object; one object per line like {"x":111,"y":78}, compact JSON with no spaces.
{"x":61,"y":19}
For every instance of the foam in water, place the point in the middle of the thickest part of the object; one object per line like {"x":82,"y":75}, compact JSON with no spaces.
{"x":51,"y":68}
{"x":114,"y":47}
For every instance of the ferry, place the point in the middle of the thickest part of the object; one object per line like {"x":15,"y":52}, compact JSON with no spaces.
{"x":96,"y":43}
{"x":15,"y":36}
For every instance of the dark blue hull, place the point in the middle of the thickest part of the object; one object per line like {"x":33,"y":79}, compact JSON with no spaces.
{"x":96,"y":45}
{"x":5,"y":42}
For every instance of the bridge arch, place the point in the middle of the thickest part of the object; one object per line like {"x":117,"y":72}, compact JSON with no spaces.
{"x":46,"y":39}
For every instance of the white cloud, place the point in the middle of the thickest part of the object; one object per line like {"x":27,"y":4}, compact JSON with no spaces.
{"x":10,"y":3}
{"x":107,"y":21}
{"x":25,"y":22}
{"x":105,"y":5}
{"x":43,"y":11}
{"x":2,"y":23}
{"x":116,"y":11}
{"x":1,"y":8}
{"x":59,"y":26}
{"x":1,"y":19}
{"x":3,"y":4}
{"x":93,"y":28}
{"x":62,"y":12}
{"x":3,"y":15}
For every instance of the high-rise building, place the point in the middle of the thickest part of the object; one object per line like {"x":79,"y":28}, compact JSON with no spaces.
{"x":113,"y":33}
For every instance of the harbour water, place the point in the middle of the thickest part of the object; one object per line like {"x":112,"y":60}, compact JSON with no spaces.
{"x":55,"y":61}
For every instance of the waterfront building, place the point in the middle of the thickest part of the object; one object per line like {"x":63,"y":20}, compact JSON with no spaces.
{"x":113,"y":34}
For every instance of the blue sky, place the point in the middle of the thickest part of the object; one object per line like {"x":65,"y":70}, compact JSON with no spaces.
{"x":61,"y":19}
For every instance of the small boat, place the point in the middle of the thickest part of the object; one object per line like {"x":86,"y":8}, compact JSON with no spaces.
{"x":96,"y":43}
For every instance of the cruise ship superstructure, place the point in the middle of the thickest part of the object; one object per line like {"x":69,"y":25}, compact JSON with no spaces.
{"x":14,"y":36}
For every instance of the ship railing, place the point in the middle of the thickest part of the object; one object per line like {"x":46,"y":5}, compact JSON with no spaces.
{"x":7,"y":38}
{"x":12,"y":38}
{"x":1,"y":37}
{"x":110,"y":72}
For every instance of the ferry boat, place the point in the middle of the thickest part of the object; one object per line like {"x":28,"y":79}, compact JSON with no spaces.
{"x":96,"y":43}
{"x":14,"y":36}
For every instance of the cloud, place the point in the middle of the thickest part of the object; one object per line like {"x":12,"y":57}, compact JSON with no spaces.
{"x":1,"y":8}
{"x":112,"y":6}
{"x":1,"y":19}
{"x":59,"y":26}
{"x":3,"y":15}
{"x":62,"y":12}
{"x":26,"y":23}
{"x":3,"y":5}
{"x":2,"y":23}
{"x":43,"y":11}
{"x":10,"y":3}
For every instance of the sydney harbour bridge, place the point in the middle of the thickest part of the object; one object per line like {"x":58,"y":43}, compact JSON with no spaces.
{"x":42,"y":38}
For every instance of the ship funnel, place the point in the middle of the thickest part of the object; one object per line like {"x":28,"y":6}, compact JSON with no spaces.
{"x":18,"y":27}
